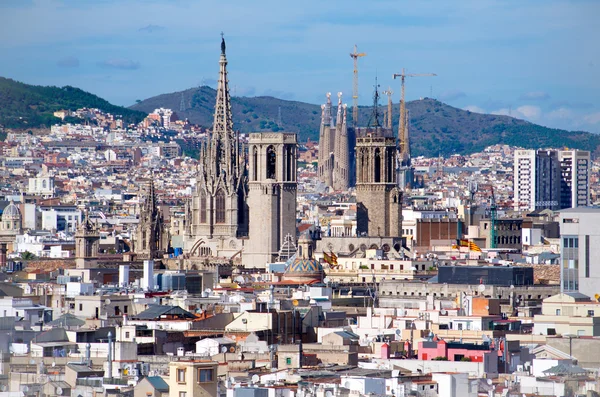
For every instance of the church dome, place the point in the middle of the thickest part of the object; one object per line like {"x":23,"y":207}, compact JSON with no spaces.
{"x":300,"y":265}
{"x":11,"y":212}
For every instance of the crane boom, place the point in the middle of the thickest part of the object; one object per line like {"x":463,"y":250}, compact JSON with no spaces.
{"x":355,"y":55}
{"x":402,"y":131}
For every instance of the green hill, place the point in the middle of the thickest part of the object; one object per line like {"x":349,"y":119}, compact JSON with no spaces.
{"x":29,"y":106}
{"x":435,"y":128}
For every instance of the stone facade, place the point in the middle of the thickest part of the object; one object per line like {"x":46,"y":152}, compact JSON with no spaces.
{"x":151,"y":240}
{"x":217,"y":215}
{"x":378,"y":198}
{"x":272,"y":190}
{"x":87,"y":241}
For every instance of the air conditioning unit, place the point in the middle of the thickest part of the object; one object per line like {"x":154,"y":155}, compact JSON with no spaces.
{"x":145,"y":369}
{"x":134,"y":372}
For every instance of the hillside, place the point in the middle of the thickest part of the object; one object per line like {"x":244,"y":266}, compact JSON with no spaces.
{"x":435,"y":128}
{"x":29,"y":106}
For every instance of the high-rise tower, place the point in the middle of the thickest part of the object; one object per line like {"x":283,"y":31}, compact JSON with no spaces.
{"x":218,"y":208}
{"x":272,"y":190}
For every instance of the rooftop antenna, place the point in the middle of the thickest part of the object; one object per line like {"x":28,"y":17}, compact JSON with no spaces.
{"x":279,"y":117}
{"x":182,"y":103}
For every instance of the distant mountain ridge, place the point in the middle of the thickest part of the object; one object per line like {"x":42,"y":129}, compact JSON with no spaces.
{"x":435,"y":128}
{"x":25,"y":106}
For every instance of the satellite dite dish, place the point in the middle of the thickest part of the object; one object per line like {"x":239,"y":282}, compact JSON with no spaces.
{"x":224,"y":349}
{"x":107,"y":301}
{"x":25,"y":389}
{"x":53,"y":364}
{"x":59,"y":391}
{"x":328,"y":393}
{"x":3,"y":388}
{"x":295,"y":302}
{"x":481,"y":287}
{"x":255,"y":378}
{"x":326,"y":280}
{"x":489,"y":382}
{"x":398,"y":332}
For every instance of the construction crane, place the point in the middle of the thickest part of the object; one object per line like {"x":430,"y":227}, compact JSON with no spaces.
{"x":388,"y":120}
{"x":493,"y":215}
{"x":355,"y":55}
{"x":404,"y":150}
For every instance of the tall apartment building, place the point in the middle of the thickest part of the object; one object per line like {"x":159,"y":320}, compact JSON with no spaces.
{"x":575,"y":178}
{"x":580,"y":248}
{"x":550,"y":179}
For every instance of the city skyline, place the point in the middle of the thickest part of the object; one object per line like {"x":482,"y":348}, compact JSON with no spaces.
{"x":536,"y":62}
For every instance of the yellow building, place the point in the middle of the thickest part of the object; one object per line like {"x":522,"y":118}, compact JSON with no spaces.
{"x":570,"y":313}
{"x":193,"y":379}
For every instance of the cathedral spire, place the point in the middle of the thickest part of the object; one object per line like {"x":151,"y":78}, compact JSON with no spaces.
{"x":221,"y":162}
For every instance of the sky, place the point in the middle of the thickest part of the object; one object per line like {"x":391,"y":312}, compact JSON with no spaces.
{"x":533,"y":59}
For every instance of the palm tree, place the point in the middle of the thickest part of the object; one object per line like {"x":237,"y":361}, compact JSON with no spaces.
{"x":26,"y":256}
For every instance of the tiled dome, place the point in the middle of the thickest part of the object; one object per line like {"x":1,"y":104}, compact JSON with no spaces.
{"x":304,"y":266}
{"x":11,"y":212}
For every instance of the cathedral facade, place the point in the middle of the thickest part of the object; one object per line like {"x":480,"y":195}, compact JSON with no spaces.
{"x":240,"y":211}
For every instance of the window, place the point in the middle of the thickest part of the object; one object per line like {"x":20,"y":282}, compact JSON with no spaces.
{"x":180,"y":375}
{"x":271,"y":162}
{"x":182,"y":394}
{"x":205,"y":375}
{"x":580,"y":332}
{"x":125,"y":309}
{"x":203,"y":208}
{"x":117,"y":311}
{"x":220,"y":207}
{"x":558,"y":312}
{"x":288,"y":361}
{"x":590,"y":313}
{"x":126,"y":335}
{"x":80,"y":307}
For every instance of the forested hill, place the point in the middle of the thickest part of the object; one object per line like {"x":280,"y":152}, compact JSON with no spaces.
{"x":29,"y":106}
{"x":435,"y":128}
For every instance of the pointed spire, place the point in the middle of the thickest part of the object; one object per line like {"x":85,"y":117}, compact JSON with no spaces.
{"x":338,"y":119}
{"x":327,"y":115}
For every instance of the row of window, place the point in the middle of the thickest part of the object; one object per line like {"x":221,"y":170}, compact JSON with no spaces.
{"x":204,"y":375}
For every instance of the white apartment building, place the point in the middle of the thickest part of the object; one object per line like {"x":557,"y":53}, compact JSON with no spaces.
{"x":536,"y":180}
{"x":549,"y":179}
{"x":580,"y":250}
{"x":575,"y":178}
{"x":41,"y":185}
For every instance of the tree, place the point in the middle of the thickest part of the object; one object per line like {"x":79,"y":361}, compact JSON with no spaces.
{"x":27,"y":256}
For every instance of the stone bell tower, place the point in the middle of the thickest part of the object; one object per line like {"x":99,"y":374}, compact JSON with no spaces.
{"x":87,"y":242}
{"x":378,"y":196}
{"x":272,"y":189}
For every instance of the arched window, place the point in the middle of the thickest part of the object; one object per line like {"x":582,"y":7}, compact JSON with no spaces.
{"x":255,"y":161}
{"x":377,"y":165}
{"x":271,"y":162}
{"x":202,"y":208}
{"x":220,"y":207}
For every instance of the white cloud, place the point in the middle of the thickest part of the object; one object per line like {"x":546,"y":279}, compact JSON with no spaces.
{"x":560,"y":114}
{"x":474,"y":109}
{"x":593,"y":118}
{"x":530,"y":112}
{"x":535,"y":96}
